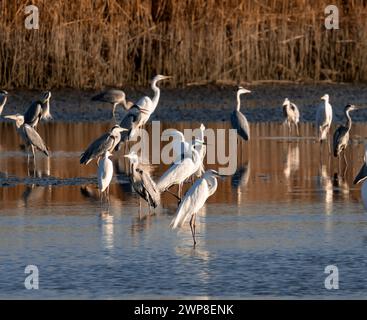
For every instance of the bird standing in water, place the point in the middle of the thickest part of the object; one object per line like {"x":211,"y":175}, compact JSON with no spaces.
{"x":238,"y":119}
{"x":324,"y":117}
{"x":291,"y":115}
{"x":341,"y":135}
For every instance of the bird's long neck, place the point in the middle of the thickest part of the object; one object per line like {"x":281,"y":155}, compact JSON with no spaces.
{"x":349,"y":120}
{"x":46,"y":114}
{"x":238,"y":102}
{"x":157,"y":93}
{"x":212,"y":183}
{"x":4,"y":101}
{"x":2,"y":105}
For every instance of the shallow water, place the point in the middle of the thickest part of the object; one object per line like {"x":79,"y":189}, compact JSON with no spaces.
{"x":269,"y":231}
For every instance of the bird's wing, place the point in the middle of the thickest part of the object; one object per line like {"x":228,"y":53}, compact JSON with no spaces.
{"x":130,"y":121}
{"x":177,"y":172}
{"x":35,"y":139}
{"x":191,"y":203}
{"x":151,"y":188}
{"x":295,"y":110}
{"x":338,"y":136}
{"x":240,"y":123}
{"x":97,"y":148}
{"x":33,"y":113}
{"x":144,"y":103}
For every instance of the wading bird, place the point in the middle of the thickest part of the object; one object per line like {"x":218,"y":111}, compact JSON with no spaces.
{"x":194,"y":200}
{"x":291,"y":115}
{"x":201,"y":149}
{"x":324,"y":117}
{"x":341,"y":135}
{"x":180,"y":171}
{"x":29,"y":135}
{"x":114,"y":97}
{"x":106,"y":142}
{"x":38,"y":110}
{"x":238,"y":120}
{"x":105,"y":173}
{"x":139,"y":114}
{"x":361,"y":176}
{"x":143,"y":184}
{"x":3,"y":98}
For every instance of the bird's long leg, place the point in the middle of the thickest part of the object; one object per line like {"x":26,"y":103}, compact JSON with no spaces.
{"x":191,"y":227}
{"x":34,"y":156}
{"x":139,"y":208}
{"x":345,"y":160}
{"x":297,"y":129}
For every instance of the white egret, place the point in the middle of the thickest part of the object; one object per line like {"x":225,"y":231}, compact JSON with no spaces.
{"x":194,"y":200}
{"x":291,"y":115}
{"x":139,"y":114}
{"x":180,"y":171}
{"x":105,"y":173}
{"x":324,"y":117}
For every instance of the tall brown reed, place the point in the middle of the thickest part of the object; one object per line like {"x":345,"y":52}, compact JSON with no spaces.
{"x":90,"y":44}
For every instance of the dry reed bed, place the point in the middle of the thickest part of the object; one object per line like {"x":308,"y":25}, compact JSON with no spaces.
{"x":90,"y":44}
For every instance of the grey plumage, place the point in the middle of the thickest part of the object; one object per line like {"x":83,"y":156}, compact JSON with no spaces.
{"x":29,"y":135}
{"x":142,"y":182}
{"x":341,"y":134}
{"x":240,"y":123}
{"x":238,"y":119}
{"x":106,"y":142}
{"x":33,"y":138}
{"x":39,"y":109}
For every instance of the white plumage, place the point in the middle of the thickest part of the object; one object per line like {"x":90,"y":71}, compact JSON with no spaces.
{"x":105,"y":172}
{"x":324,"y":117}
{"x":195,"y":199}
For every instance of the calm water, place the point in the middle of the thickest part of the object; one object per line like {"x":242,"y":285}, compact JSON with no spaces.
{"x":269,"y":231}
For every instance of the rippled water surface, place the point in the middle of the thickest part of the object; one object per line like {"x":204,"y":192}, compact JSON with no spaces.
{"x":269,"y":231}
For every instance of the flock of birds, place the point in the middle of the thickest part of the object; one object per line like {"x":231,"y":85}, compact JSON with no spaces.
{"x":189,"y":155}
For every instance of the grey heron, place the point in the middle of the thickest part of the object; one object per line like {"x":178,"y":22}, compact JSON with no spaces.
{"x":142,"y":183}
{"x":105,"y":173}
{"x":3,"y":98}
{"x":361,"y":177}
{"x":114,"y":97}
{"x":181,"y":170}
{"x":324,"y":117}
{"x":29,"y":135}
{"x":194,"y":200}
{"x":341,"y":135}
{"x":139,"y":114}
{"x":238,"y":119}
{"x":38,"y":110}
{"x":291,"y":115}
{"x":106,"y":142}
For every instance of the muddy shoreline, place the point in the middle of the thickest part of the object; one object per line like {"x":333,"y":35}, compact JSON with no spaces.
{"x":204,"y":103}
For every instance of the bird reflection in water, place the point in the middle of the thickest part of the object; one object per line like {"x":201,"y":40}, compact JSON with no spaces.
{"x":240,"y":180}
{"x":292,"y":160}
{"x":326,"y":185}
{"x":107,"y":229}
